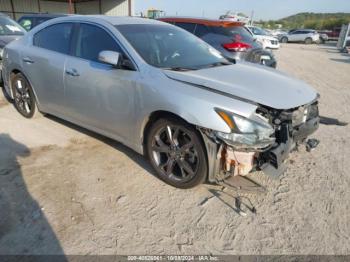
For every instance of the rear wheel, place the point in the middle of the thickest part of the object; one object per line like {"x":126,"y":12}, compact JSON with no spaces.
{"x":284,"y":40}
{"x":308,"y":41}
{"x":24,"y":99}
{"x":176,"y":153}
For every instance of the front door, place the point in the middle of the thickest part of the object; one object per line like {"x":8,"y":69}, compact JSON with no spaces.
{"x":97,"y":94}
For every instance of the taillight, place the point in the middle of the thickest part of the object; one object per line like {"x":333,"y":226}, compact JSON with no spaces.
{"x":237,"y":46}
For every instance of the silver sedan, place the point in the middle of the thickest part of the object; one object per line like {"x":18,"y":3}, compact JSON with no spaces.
{"x":162,"y":92}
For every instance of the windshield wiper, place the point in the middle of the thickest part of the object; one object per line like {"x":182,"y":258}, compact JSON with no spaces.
{"x":217,"y":64}
{"x":178,"y":68}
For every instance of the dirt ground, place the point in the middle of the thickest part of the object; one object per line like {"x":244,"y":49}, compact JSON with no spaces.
{"x":66,"y":190}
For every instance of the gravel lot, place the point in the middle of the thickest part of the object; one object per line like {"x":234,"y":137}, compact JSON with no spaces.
{"x":66,"y":190}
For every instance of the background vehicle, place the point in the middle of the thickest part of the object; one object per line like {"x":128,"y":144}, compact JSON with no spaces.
{"x":234,"y":17}
{"x":333,"y":35}
{"x":308,"y":36}
{"x":163,"y":92}
{"x":9,"y":31}
{"x":30,"y":21}
{"x":154,"y":13}
{"x":264,"y":38}
{"x":323,"y":37}
{"x":232,"y":39}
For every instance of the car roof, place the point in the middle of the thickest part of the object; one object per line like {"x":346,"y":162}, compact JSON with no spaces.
{"x":114,"y":20}
{"x":303,"y":29}
{"x":44,"y":15}
{"x":202,"y":21}
{"x":3,"y":14}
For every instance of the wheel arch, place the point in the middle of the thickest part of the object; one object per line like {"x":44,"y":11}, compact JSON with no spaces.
{"x":12,"y":74}
{"x":154,"y":116}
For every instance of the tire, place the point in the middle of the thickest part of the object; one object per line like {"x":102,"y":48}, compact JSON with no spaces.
{"x":308,"y":41}
{"x":181,"y":161}
{"x":284,"y":40}
{"x":23,"y":96}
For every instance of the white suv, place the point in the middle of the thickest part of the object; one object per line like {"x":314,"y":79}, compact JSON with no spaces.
{"x":264,"y":38}
{"x":302,"y":35}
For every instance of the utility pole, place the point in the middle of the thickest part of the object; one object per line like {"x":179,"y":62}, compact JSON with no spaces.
{"x":70,"y":7}
{"x":251,"y":17}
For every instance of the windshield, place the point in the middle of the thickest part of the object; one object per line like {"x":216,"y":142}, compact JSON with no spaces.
{"x":237,"y":33}
{"x":9,"y":27}
{"x":258,"y":31}
{"x":167,"y":46}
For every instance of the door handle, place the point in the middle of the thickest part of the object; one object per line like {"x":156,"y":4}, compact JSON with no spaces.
{"x":28,"y":60}
{"x":72,"y":72}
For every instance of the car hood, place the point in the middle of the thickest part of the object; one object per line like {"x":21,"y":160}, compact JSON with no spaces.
{"x":267,"y":37}
{"x":4,"y":40}
{"x":251,"y":83}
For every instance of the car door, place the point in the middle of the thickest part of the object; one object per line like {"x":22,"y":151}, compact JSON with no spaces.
{"x":302,"y":36}
{"x":43,"y":64}
{"x":293,"y":37}
{"x":99,"y":95}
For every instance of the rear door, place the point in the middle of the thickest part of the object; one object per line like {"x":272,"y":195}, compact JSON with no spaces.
{"x":294,"y":36}
{"x":97,"y":94}
{"x":299,"y":35}
{"x":44,"y":62}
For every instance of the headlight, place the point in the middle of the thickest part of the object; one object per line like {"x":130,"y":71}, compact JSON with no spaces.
{"x":251,"y":133}
{"x":1,"y":53}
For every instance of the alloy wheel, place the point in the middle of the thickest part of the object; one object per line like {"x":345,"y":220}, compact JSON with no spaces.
{"x":175,"y":153}
{"x":23,"y":99}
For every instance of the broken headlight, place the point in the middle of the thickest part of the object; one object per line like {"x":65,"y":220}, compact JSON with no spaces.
{"x":246,"y":133}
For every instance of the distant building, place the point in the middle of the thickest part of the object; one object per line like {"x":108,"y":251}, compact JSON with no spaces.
{"x":17,"y":8}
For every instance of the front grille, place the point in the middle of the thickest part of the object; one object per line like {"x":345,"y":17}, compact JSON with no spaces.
{"x":274,"y":42}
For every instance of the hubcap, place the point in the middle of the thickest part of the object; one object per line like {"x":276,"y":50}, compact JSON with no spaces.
{"x":174,"y":153}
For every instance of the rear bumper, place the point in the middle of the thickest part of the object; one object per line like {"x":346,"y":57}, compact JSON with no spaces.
{"x":260,"y":56}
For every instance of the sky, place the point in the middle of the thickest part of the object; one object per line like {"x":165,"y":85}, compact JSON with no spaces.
{"x":263,"y":9}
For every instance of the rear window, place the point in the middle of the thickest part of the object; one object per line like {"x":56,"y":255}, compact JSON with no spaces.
{"x":55,"y":37}
{"x":237,"y":33}
{"x":187,"y":26}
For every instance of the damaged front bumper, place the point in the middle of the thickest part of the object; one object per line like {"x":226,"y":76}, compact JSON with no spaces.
{"x":224,"y":161}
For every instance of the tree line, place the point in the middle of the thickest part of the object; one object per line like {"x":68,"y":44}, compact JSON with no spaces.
{"x":318,"y":21}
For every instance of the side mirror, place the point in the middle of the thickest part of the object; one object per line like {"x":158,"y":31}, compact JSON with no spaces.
{"x":110,"y":57}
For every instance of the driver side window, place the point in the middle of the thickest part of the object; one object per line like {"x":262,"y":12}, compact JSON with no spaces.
{"x":91,"y":40}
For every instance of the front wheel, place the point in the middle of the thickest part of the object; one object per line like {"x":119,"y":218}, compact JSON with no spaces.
{"x":177,"y":153}
{"x":308,"y":41}
{"x":284,"y":40}
{"x":23,"y":96}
